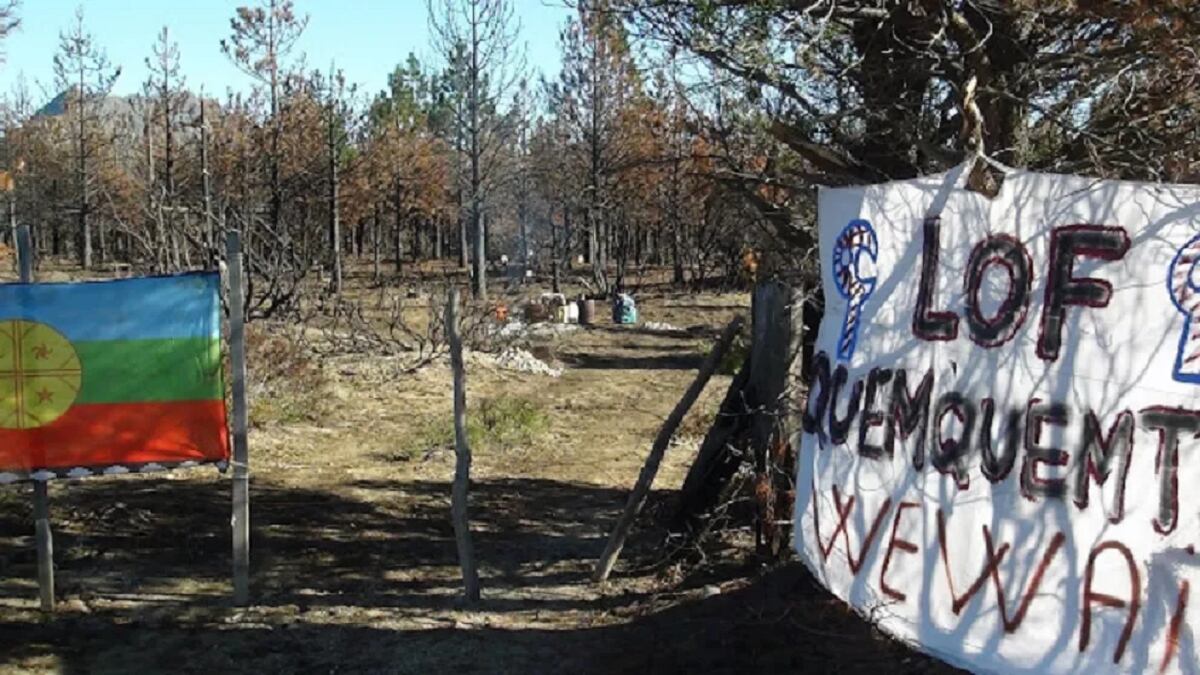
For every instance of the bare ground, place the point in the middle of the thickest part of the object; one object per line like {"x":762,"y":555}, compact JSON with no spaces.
{"x":354,"y":566}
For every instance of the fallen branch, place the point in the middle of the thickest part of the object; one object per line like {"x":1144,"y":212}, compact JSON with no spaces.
{"x":641,"y":489}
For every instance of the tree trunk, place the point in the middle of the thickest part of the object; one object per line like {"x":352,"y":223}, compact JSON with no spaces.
{"x":210,"y":241}
{"x":478,"y":259}
{"x":417,"y":250}
{"x":376,"y":240}
{"x":463,"y":246}
{"x":522,"y":217}
{"x":12,"y":220}
{"x":85,"y":232}
{"x":479,"y":282}
{"x":399,"y":244}
{"x":638,"y":240}
{"x":567,"y":234}
{"x":677,"y":254}
{"x":101,"y":251}
{"x":625,"y":245}
{"x":487,"y":232}
{"x":152,"y":204}
{"x":276,"y":132}
{"x":56,"y":242}
{"x":555,"y":254}
{"x":335,"y":220}
{"x":591,"y":245}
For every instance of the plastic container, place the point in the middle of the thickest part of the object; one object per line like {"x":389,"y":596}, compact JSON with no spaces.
{"x":624,"y":309}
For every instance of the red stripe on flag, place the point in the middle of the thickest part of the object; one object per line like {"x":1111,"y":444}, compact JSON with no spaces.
{"x":120,"y":433}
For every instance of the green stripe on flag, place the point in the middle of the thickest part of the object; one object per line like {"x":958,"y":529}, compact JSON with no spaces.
{"x":133,"y":371}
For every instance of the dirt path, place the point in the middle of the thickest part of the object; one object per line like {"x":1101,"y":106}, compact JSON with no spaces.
{"x":353,"y":554}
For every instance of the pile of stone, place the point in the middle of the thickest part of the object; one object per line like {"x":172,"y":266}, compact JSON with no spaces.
{"x":661,"y":327}
{"x":514,"y":329}
{"x":522,"y":361}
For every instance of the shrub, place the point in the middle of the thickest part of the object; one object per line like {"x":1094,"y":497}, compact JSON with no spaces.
{"x":499,"y":423}
{"x":505,"y":422}
{"x":284,"y":383}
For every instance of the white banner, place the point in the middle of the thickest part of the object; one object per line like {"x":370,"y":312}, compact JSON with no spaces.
{"x":1000,"y":459}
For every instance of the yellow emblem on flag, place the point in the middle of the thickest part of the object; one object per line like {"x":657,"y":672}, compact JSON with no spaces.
{"x":40,"y":374}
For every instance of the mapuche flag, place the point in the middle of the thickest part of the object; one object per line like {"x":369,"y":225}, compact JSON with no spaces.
{"x":111,"y":373}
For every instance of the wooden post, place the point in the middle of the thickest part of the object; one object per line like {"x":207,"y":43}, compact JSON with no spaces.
{"x":41,"y":492}
{"x":45,"y":544}
{"x":641,"y":489}
{"x":241,"y":458}
{"x":41,"y":499}
{"x":775,"y":360}
{"x":462,"y":455}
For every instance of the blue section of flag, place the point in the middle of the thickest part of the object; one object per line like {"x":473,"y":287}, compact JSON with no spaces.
{"x":148,"y":308}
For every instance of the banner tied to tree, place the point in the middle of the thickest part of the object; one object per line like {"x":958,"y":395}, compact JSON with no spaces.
{"x":111,"y":376}
{"x":1001,"y":435}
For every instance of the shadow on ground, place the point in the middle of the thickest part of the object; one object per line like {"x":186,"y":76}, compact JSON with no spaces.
{"x":684,"y":360}
{"x":364,"y":580}
{"x":313,"y":547}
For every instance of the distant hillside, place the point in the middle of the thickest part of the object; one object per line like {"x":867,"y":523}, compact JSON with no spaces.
{"x":124,"y":116}
{"x":57,"y":106}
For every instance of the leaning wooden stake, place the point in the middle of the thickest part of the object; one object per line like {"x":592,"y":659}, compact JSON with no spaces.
{"x":241,"y":453}
{"x":41,"y":492}
{"x":637,"y":498}
{"x":462,"y":454}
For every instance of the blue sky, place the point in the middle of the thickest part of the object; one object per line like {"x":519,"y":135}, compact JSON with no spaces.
{"x":365,"y":38}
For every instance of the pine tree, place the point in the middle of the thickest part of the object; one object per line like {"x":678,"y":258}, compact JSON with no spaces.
{"x":478,"y":38}
{"x":597,"y":83}
{"x":261,"y":40}
{"x":82,"y":69}
{"x":166,"y":95}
